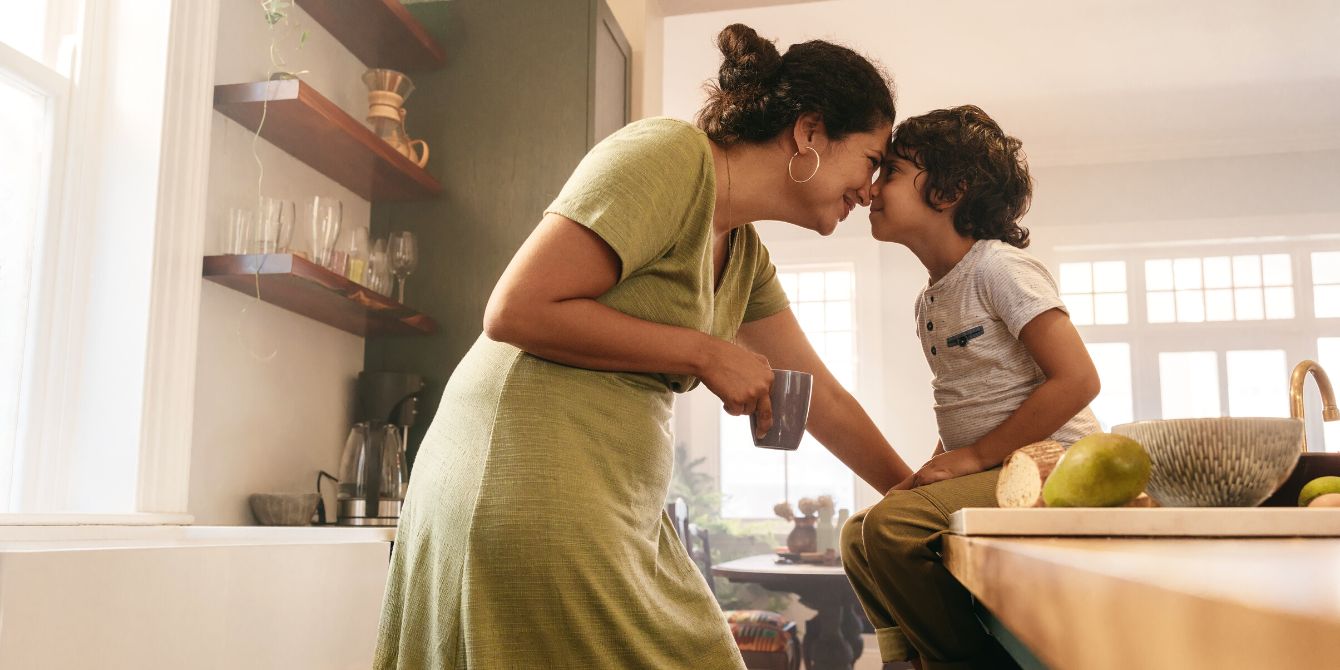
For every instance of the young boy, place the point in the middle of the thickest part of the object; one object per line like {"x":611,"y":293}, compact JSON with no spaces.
{"x":1010,"y":369}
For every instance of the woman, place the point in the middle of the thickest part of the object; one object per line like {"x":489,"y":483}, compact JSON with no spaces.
{"x":533,"y":534}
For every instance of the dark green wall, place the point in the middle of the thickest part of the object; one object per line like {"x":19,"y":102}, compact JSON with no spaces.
{"x":506,"y":120}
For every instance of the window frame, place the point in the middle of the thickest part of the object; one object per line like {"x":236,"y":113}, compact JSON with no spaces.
{"x":1297,"y":336}
{"x":179,"y":38}
{"x":697,"y":414}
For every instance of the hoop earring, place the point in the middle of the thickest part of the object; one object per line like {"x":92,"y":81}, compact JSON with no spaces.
{"x":793,"y":160}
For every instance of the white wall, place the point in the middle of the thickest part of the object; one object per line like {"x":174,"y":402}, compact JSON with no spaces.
{"x":268,"y":424}
{"x":643,"y":23}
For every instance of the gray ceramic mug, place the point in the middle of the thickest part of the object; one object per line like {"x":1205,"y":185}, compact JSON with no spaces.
{"x":790,"y":409}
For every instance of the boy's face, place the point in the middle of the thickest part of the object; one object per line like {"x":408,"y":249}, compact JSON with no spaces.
{"x":897,"y":210}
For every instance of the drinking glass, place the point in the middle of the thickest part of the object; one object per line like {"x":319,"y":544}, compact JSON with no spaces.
{"x":358,"y":254}
{"x":237,"y":231}
{"x":274,"y":226}
{"x":379,"y":268}
{"x":325,"y":218}
{"x":404,"y":252}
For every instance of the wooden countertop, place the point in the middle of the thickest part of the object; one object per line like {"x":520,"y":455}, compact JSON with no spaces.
{"x":1118,"y":604}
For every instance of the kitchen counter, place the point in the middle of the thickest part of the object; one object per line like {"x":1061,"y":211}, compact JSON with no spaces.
{"x":1152,"y":603}
{"x":102,"y":537}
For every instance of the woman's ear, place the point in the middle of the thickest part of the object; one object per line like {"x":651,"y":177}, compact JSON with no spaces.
{"x":808,"y":131}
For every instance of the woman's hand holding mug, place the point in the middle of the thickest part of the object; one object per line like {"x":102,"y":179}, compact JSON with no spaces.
{"x":742,"y":380}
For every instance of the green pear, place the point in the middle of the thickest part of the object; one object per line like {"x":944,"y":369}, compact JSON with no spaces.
{"x":1100,"y":470}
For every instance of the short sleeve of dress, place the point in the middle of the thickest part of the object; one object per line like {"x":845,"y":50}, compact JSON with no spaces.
{"x":766,"y":296}
{"x":636,"y":188}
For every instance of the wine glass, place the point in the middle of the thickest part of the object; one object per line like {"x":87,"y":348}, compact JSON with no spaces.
{"x":404,"y":252}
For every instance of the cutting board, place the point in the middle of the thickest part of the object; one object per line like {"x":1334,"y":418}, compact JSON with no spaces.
{"x":1148,"y":522}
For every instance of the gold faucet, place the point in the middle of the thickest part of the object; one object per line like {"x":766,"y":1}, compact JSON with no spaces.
{"x":1329,"y":411}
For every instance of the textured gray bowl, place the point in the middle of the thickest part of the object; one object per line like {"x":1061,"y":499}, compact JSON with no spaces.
{"x":1221,"y":462}
{"x":283,"y":509}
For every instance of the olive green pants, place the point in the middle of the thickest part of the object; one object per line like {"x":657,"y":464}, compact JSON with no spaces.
{"x":891,"y":554}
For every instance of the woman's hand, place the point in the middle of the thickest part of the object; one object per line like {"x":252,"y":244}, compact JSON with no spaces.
{"x":956,"y":463}
{"x":742,"y":380}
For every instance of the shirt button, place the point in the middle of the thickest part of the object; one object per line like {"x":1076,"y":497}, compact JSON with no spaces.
{"x":932,"y":351}
{"x":932,"y":298}
{"x":930,"y":325}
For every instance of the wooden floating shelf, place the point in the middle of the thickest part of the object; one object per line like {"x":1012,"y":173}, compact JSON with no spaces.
{"x":314,"y":130}
{"x":381,"y":33}
{"x":301,"y":286}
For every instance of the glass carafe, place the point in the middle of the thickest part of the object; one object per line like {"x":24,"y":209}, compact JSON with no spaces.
{"x":373,"y":476}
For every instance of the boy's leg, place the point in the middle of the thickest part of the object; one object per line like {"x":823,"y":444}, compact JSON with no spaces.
{"x":892,"y":645}
{"x":901,"y":536}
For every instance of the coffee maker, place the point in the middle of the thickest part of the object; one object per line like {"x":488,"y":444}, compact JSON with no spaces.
{"x":373,"y":471}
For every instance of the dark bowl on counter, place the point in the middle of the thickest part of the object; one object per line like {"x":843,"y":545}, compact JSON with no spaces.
{"x":1310,"y":466}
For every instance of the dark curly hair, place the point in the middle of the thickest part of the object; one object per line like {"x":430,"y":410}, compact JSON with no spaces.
{"x":760,"y":92}
{"x":966,"y":154}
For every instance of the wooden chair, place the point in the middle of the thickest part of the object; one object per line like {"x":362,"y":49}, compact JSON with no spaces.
{"x":767,"y":640}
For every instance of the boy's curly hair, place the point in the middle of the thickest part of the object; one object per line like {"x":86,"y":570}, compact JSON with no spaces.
{"x":966,"y":154}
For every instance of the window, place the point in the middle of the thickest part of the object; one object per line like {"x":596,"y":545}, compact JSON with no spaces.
{"x":1219,"y":288}
{"x":1328,"y":356}
{"x":1189,"y":384}
{"x":1219,"y":330}
{"x":1326,"y":284}
{"x":1095,"y":293}
{"x":756,"y":479}
{"x":1115,"y":403}
{"x":32,"y":112}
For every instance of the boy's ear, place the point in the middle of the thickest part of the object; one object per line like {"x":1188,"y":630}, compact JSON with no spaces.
{"x":945,"y":201}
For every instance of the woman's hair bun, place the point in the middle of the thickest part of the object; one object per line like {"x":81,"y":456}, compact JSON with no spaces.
{"x":750,"y":63}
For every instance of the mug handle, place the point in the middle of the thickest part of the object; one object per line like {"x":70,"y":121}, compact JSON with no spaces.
{"x":423,"y":157}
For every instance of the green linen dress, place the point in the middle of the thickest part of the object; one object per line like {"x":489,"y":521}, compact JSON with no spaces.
{"x":534,"y":533}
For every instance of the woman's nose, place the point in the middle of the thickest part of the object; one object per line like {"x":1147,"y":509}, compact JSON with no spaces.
{"x":869,"y":193}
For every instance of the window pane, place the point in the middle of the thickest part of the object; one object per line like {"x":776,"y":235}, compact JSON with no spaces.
{"x":1219,"y":305}
{"x":23,"y":26}
{"x":22,"y":155}
{"x":811,"y":316}
{"x":1076,"y":278}
{"x":1326,"y":267}
{"x":752,"y":479}
{"x":1080,"y":307}
{"x":1189,"y":384}
{"x":1115,"y":402}
{"x":1109,"y":277}
{"x":1328,"y":355}
{"x":1186,"y":273}
{"x":1258,"y":383}
{"x":1247,"y":304}
{"x":1218,"y":272}
{"x":811,"y":286}
{"x":1190,"y":307}
{"x":1161,"y":307}
{"x":1246,"y":270}
{"x":1158,"y":275}
{"x":1110,"y":308}
{"x":838,"y":350}
{"x":1276,"y":270}
{"x":838,"y":316}
{"x":814,"y":471}
{"x":1327,"y":299}
{"x":838,"y":285}
{"x":789,"y":283}
{"x":1279,"y":302}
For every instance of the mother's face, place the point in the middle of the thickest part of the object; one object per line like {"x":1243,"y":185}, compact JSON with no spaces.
{"x":842,"y":181}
